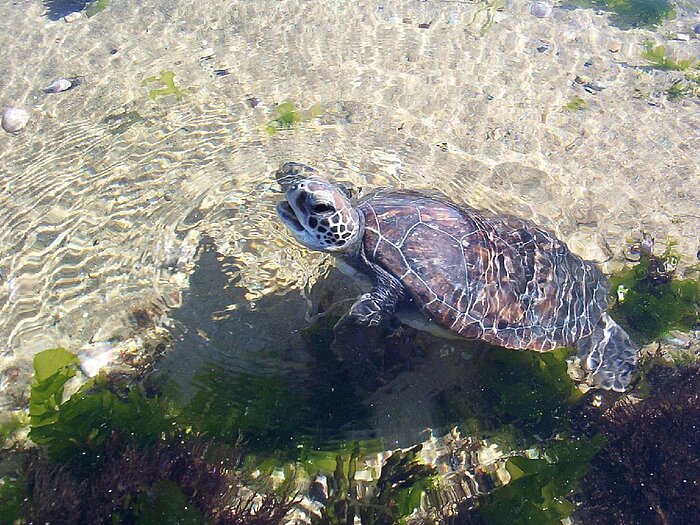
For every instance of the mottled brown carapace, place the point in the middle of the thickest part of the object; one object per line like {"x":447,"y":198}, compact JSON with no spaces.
{"x":494,"y":278}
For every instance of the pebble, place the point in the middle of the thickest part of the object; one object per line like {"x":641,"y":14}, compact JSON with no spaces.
{"x":647,"y":244}
{"x":252,"y":101}
{"x":696,"y":29}
{"x":207,"y":54}
{"x":72,"y":17}
{"x":593,"y":86}
{"x":14,"y":119}
{"x":615,"y":46}
{"x":683,"y":37}
{"x":541,"y":9}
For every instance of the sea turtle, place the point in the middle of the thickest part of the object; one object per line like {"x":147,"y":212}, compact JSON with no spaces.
{"x":496,"y":278}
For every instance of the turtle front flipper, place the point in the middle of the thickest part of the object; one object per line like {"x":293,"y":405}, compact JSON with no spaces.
{"x":608,"y":355}
{"x":360,"y":334}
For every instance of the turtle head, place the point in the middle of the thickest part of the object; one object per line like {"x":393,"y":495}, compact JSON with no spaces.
{"x":319,"y":215}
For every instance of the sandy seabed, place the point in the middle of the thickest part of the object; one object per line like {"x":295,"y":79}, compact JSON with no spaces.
{"x":107,"y":193}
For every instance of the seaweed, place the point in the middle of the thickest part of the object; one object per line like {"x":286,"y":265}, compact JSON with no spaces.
{"x":575,"y":104}
{"x":651,"y":301}
{"x":96,"y":7}
{"x":54,"y":490}
{"x":658,"y":59}
{"x":11,"y":498}
{"x":53,"y":368}
{"x":57,"y":9}
{"x":529,"y":390}
{"x":287,"y":116}
{"x":167,"y":79}
{"x":164,"y":503}
{"x":647,"y":472}
{"x":171,"y":478}
{"x":678,"y":90}
{"x":539,"y":490}
{"x":110,"y":454}
{"x":287,"y":417}
{"x":183,"y":479}
{"x":77,"y":428}
{"x":270,"y":411}
{"x":392,"y":497}
{"x":628,"y":14}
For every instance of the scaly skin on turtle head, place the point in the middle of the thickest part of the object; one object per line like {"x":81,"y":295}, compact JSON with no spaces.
{"x":317,"y":212}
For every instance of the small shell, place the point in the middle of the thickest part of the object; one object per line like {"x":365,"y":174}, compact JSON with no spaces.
{"x":14,"y":119}
{"x":62,"y":84}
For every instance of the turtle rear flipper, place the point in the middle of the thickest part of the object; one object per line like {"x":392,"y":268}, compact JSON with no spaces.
{"x":608,"y":355}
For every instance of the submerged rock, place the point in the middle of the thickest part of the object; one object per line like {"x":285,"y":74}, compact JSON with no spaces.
{"x":541,"y":9}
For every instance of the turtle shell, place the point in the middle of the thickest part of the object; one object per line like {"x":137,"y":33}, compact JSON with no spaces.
{"x":499,"y":279}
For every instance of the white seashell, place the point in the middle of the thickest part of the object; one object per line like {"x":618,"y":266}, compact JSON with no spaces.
{"x":541,"y":9}
{"x":62,"y":84}
{"x":14,"y":119}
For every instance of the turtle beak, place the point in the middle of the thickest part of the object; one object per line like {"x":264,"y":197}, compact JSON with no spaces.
{"x":286,"y":213}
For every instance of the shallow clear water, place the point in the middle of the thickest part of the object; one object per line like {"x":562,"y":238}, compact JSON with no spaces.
{"x":130,"y":219}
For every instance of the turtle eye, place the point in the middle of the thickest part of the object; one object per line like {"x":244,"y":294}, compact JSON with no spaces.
{"x":321,"y":208}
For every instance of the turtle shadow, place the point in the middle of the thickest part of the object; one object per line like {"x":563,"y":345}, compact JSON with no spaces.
{"x":264,"y":373}
{"x":57,"y":9}
{"x":270,"y":374}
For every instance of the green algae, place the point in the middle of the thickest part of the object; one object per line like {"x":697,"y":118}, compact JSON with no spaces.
{"x":522,"y":395}
{"x":110,"y":432}
{"x":166,"y":79}
{"x":53,"y":368}
{"x":395,"y":495}
{"x":12,"y":490}
{"x":575,"y":104}
{"x":628,"y":14}
{"x":678,"y":90}
{"x":539,"y":490}
{"x":525,"y":397}
{"x":288,"y":419}
{"x":269,"y":411}
{"x":96,"y":7}
{"x":690,"y":86}
{"x":287,"y":116}
{"x":165,"y":504}
{"x":658,"y":59}
{"x":79,"y":426}
{"x":651,"y":306}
